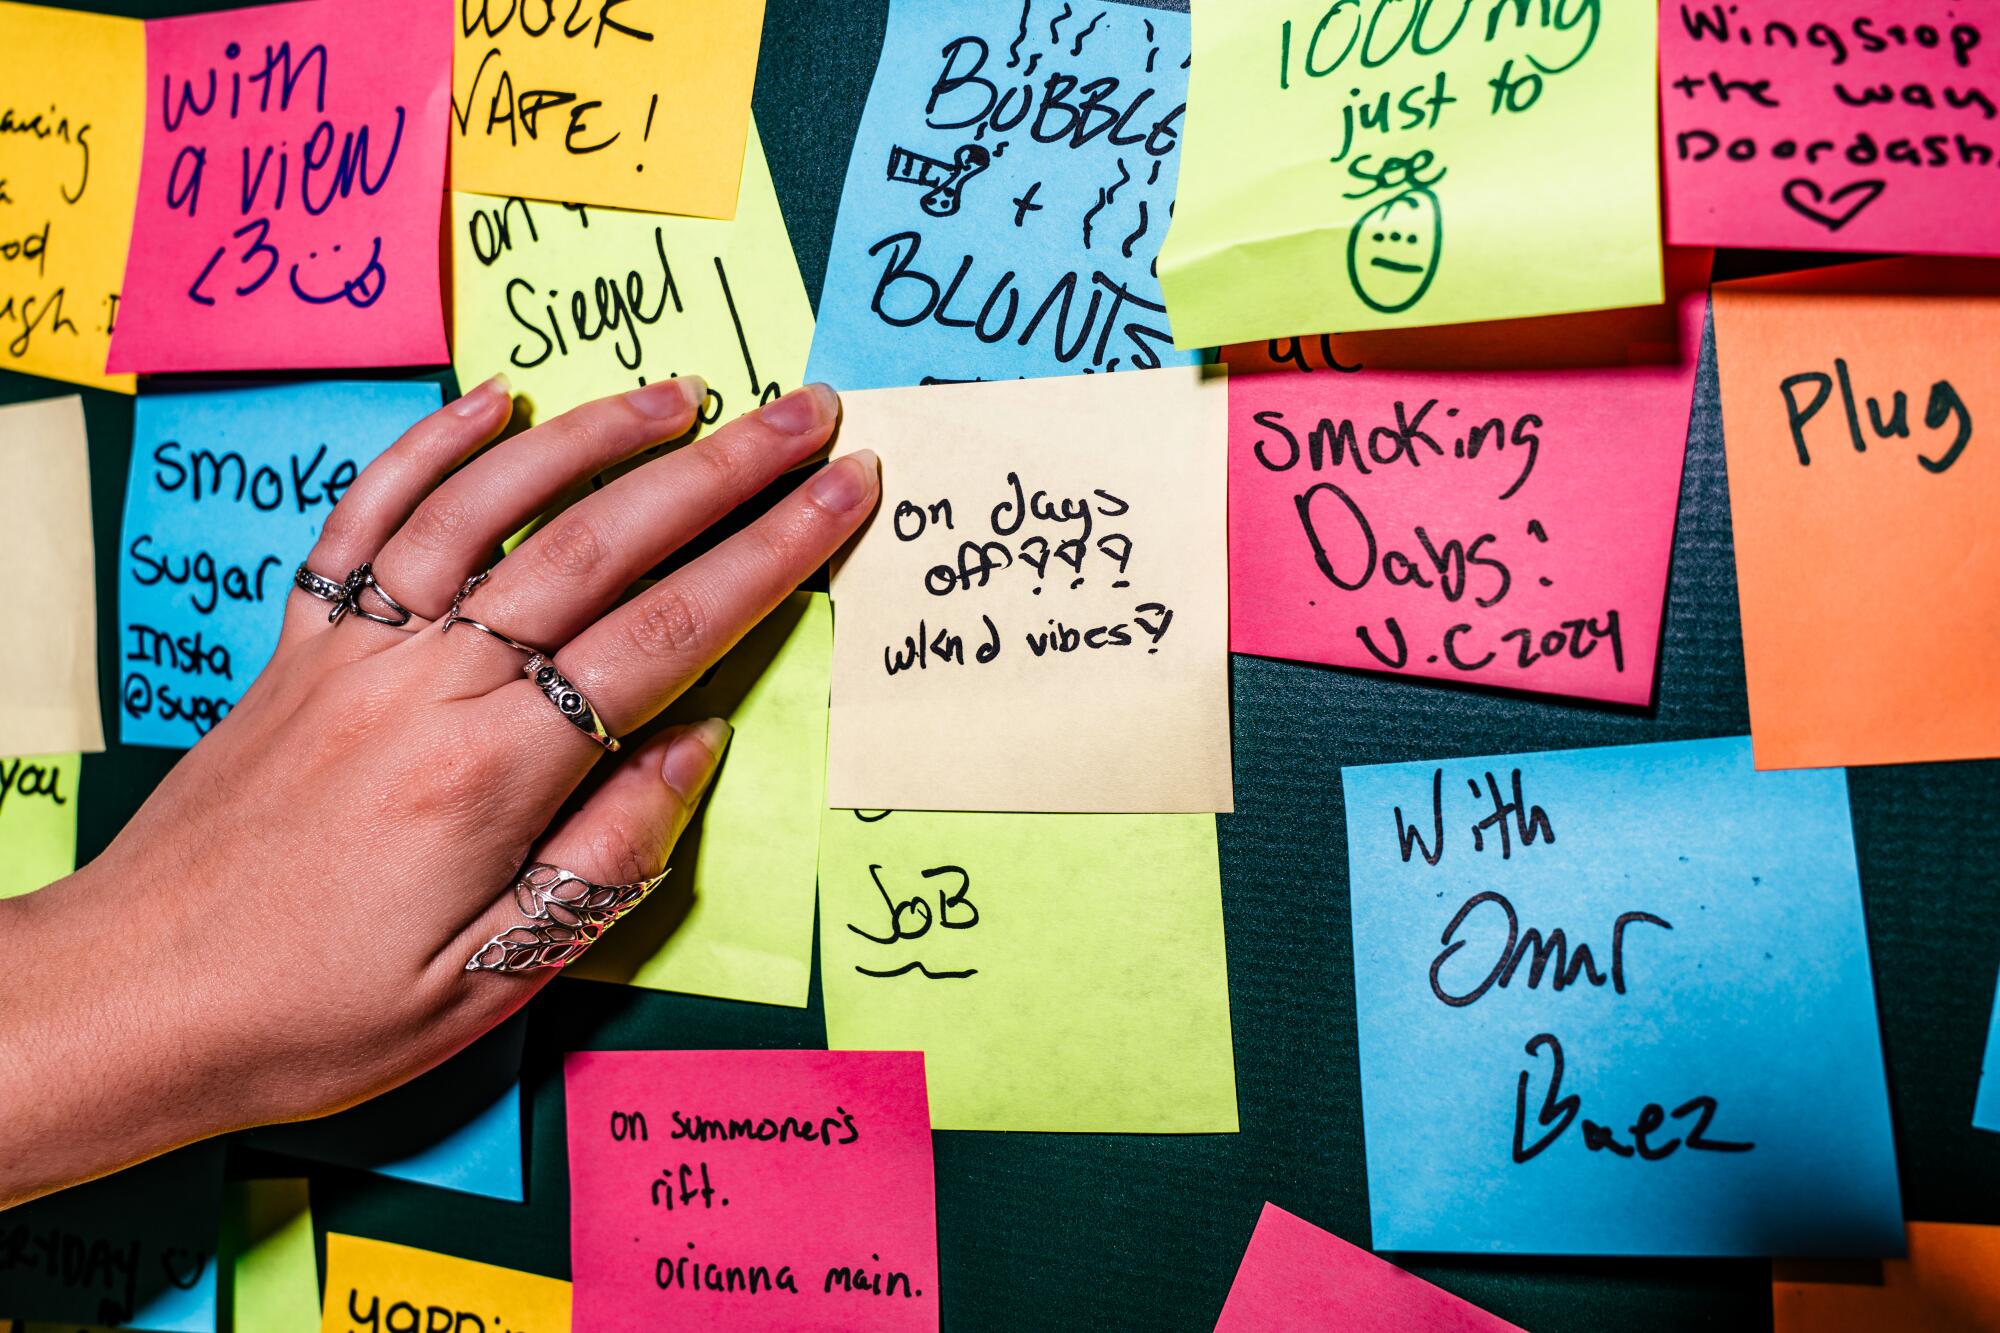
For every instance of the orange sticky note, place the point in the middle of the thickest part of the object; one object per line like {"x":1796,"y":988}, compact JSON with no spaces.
{"x":1854,"y":402}
{"x":1950,"y":1283}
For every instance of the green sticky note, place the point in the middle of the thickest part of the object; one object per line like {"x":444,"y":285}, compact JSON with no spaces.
{"x":37,"y":821}
{"x":1059,"y":972}
{"x":267,"y":1231}
{"x":1371,"y":164}
{"x":574,"y":303}
{"x":734,"y":918}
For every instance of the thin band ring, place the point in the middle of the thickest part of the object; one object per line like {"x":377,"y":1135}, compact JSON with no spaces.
{"x":569,"y":700}
{"x":457,"y":616}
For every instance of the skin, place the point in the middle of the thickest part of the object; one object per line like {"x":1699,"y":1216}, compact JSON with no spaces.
{"x":282,"y":929}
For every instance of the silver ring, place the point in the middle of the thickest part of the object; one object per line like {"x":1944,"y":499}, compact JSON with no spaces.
{"x":346,"y":595}
{"x":569,"y":700}
{"x":566,"y":913}
{"x":457,"y":616}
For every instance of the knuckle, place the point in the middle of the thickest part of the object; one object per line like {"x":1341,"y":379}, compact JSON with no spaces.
{"x":673,"y":623}
{"x":570,"y":548}
{"x":625,"y":846}
{"x":343,"y":526}
{"x":440,"y":523}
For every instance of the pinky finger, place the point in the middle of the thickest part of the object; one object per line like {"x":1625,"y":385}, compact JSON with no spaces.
{"x":622,"y":834}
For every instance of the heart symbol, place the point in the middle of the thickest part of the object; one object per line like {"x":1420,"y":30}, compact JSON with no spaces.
{"x":1831,"y":216}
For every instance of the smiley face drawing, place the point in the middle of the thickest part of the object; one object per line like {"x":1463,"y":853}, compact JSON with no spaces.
{"x":1393,"y":250}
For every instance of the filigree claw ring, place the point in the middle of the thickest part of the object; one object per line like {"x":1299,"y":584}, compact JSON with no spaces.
{"x":457,"y":616}
{"x":569,"y":700}
{"x":346,"y":595}
{"x":566,"y":914}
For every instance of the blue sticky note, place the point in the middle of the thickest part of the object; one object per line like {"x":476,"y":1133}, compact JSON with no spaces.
{"x":1617,"y":1001}
{"x":457,"y":1127}
{"x":226,"y":496}
{"x":1986,"y":1111}
{"x":131,"y":1250}
{"x":1009,"y":189}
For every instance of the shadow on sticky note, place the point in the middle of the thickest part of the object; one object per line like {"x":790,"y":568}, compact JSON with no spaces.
{"x":1634,"y":336}
{"x":457,"y":1126}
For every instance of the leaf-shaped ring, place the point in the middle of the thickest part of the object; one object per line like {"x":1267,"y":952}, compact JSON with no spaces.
{"x":566,"y":913}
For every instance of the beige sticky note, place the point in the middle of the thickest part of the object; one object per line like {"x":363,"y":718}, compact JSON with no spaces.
{"x":45,"y":545}
{"x":372,"y":1284}
{"x":632,"y":103}
{"x":69,"y":172}
{"x":1036,"y":616}
{"x":735,"y":916}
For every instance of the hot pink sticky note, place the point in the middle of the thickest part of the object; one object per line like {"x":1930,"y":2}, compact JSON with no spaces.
{"x":289,"y":190}
{"x":751,"y":1190}
{"x":1296,"y":1277}
{"x":1803,"y":124}
{"x":1507,"y":528}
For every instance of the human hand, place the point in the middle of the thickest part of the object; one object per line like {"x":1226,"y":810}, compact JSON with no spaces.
{"x":284,"y":927}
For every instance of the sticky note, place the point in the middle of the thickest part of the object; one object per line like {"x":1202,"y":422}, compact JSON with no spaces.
{"x":1862,"y":501}
{"x":1374,"y":164}
{"x":1986,"y":1111}
{"x":1036,"y":615}
{"x":37,"y":820}
{"x":1804,"y":125}
{"x":226,"y":495}
{"x":267,"y":1232}
{"x":574,"y":303}
{"x":1945,"y":1284}
{"x":290,"y":188}
{"x":1505,"y":527}
{"x":1591,"y":990}
{"x":633,"y":105}
{"x":1008,"y":192}
{"x":455,"y":1127}
{"x":372,"y":1284}
{"x":751,"y":1190}
{"x":45,"y":542}
{"x":1297,"y":1277}
{"x":735,"y":916}
{"x":70,"y":157}
{"x":962,"y":935}
{"x":134,"y":1250}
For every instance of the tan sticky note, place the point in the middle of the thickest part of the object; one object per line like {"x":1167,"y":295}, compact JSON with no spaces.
{"x":69,"y":172}
{"x":45,"y":544}
{"x":1036,"y":616}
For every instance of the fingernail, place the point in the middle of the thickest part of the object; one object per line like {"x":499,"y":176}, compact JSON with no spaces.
{"x":802,"y":410}
{"x":693,"y":755}
{"x":843,"y":484}
{"x":668,"y":398}
{"x":480,"y":400}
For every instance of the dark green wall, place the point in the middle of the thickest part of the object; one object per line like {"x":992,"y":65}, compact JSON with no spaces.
{"x":1060,"y":1231}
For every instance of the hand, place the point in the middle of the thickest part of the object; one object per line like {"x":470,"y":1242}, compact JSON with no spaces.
{"x":283,"y":928}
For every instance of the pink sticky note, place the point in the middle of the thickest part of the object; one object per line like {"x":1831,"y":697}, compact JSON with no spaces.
{"x":1506,"y":528}
{"x":751,"y":1190}
{"x":289,"y":190}
{"x":1798,"y":124}
{"x":1295,"y":1276}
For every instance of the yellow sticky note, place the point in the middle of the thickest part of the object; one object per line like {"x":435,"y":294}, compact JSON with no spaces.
{"x":37,"y":821}
{"x":576,"y":303}
{"x":734,"y":918}
{"x":50,"y":706}
{"x":274,"y":1270}
{"x":70,"y":134}
{"x":372,"y":1284}
{"x":1949,"y":1283}
{"x":1366,"y":164}
{"x":1059,"y":972}
{"x":631,"y":103}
